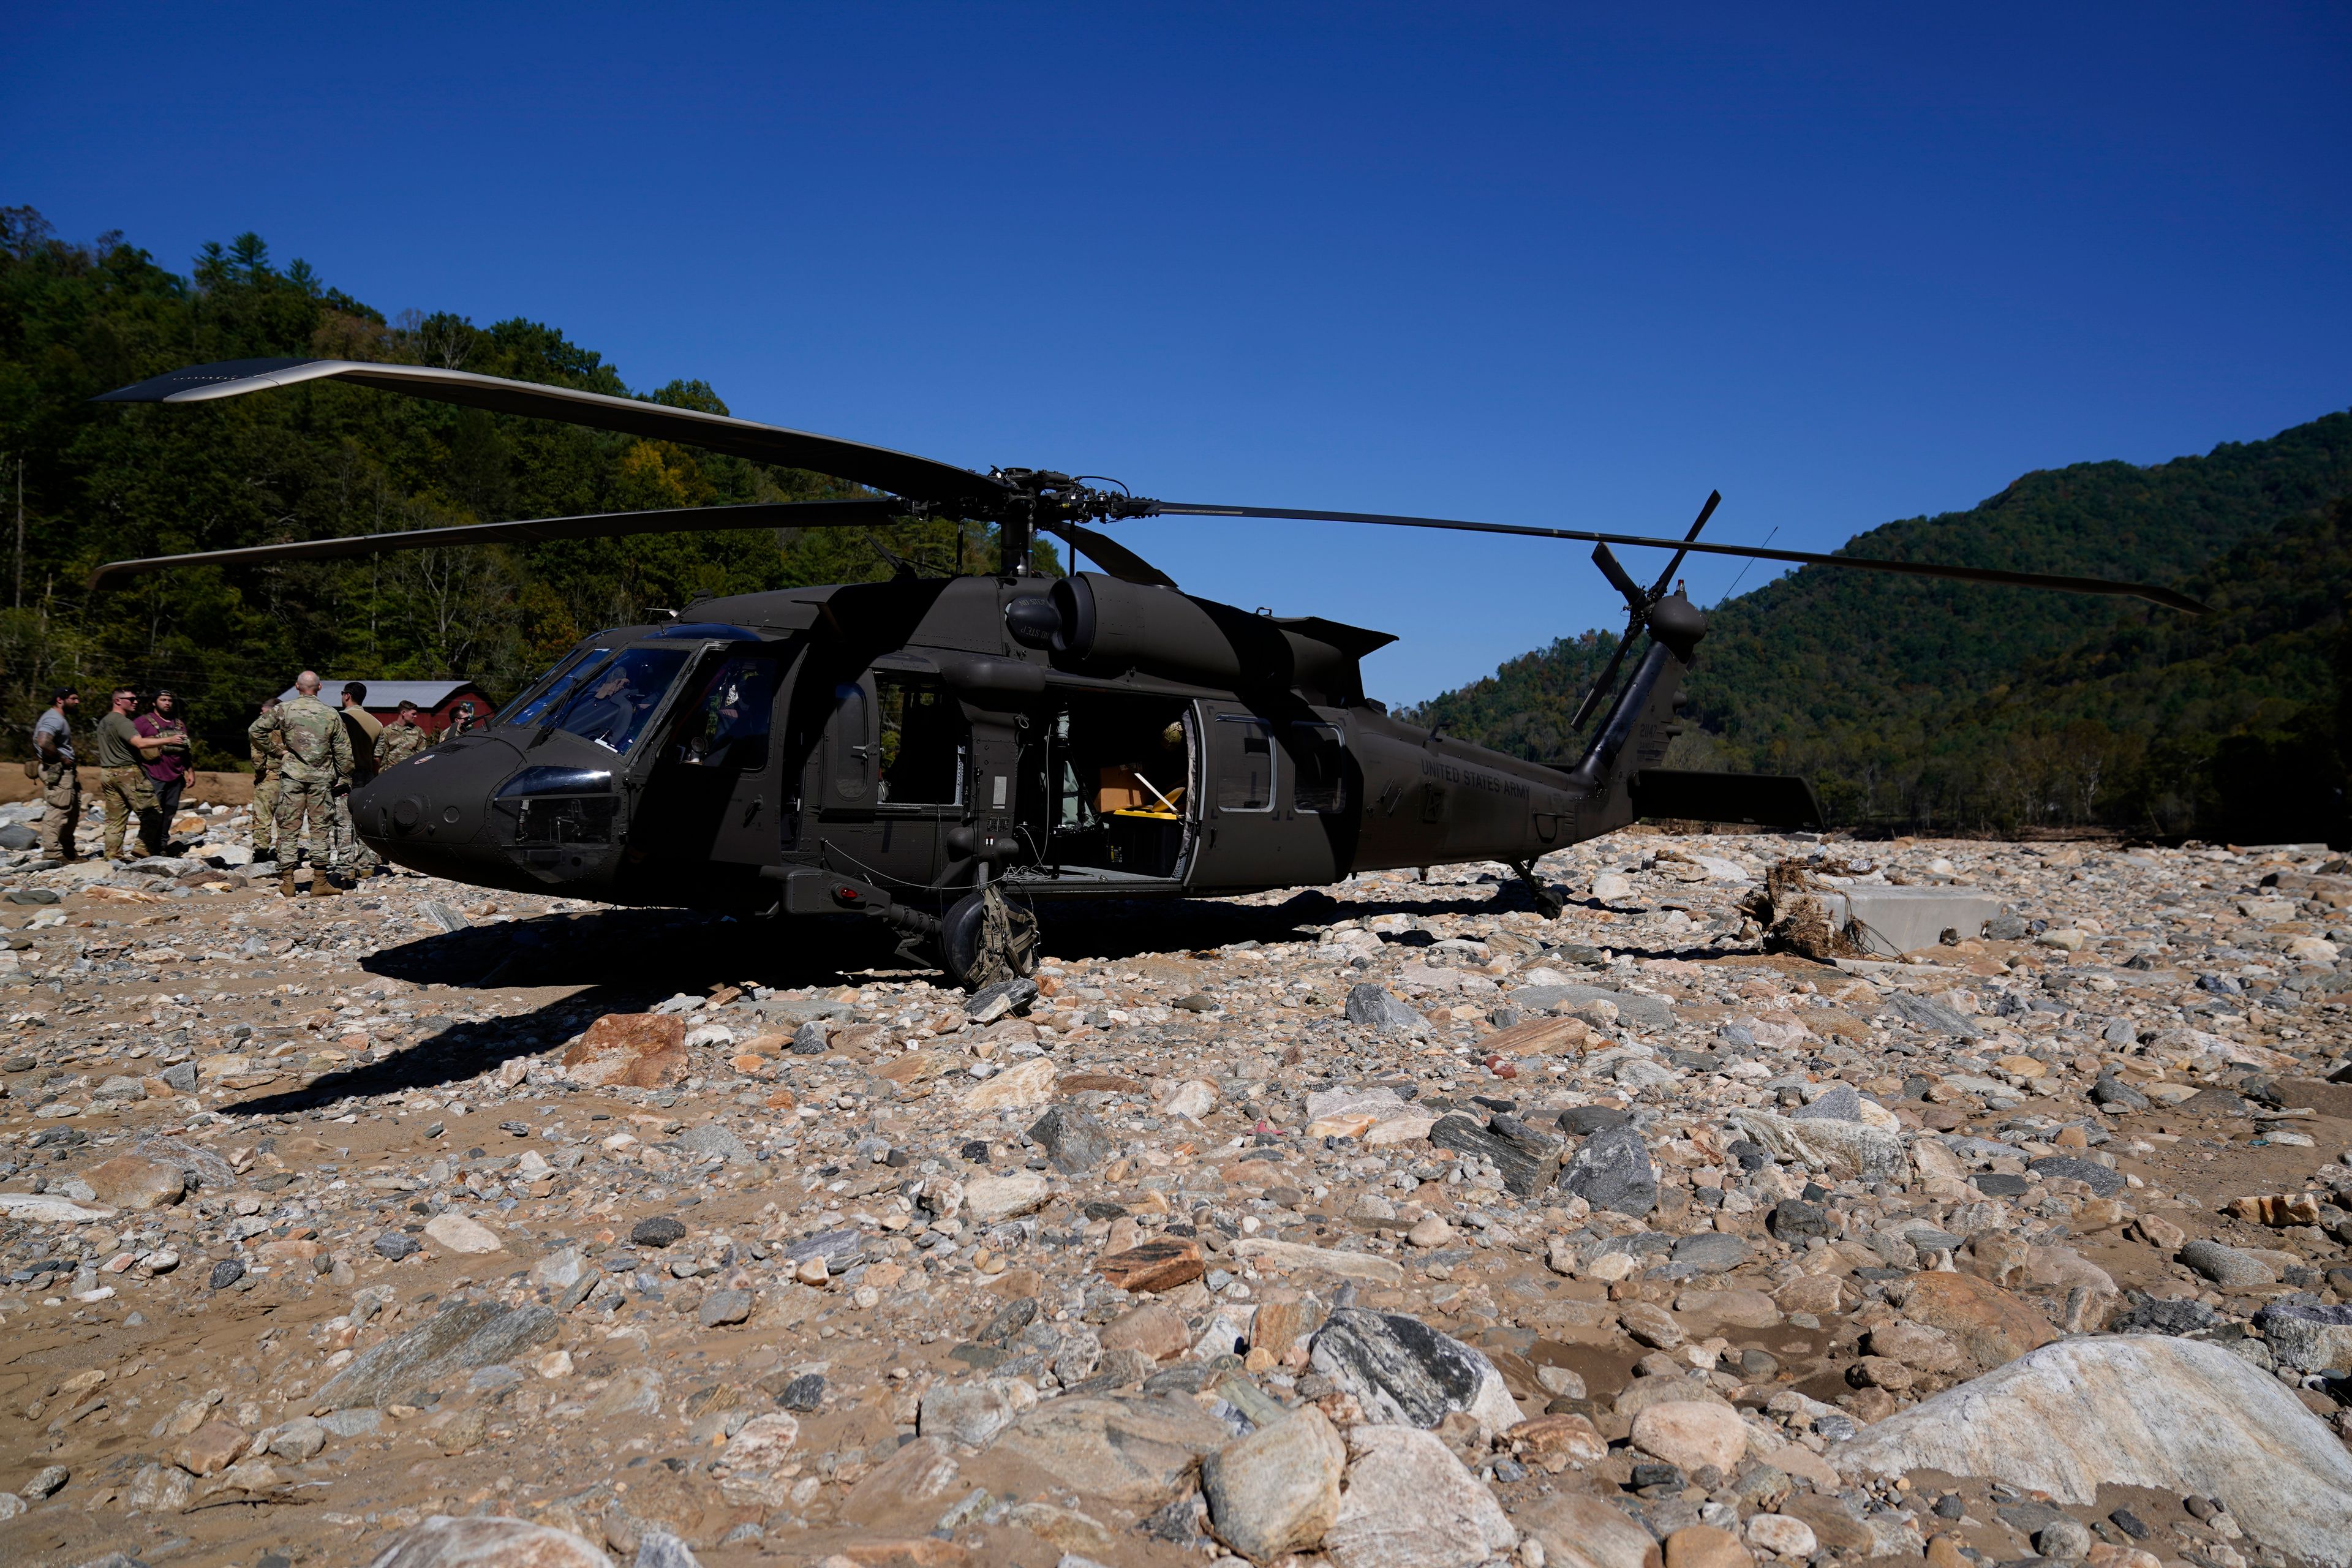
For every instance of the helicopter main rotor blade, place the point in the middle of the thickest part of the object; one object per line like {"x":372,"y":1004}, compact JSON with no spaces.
{"x":529,"y":530}
{"x":2169,"y":599}
{"x":900,"y":473}
{"x":1113,"y":557}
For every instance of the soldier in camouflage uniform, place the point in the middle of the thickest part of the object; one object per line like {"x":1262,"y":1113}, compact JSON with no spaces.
{"x":401,"y":740}
{"x":269,"y":762}
{"x":317,"y":757}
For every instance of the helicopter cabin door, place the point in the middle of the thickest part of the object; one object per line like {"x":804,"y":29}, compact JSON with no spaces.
{"x":1268,"y":785}
{"x":716,"y":792}
{"x":893,"y":773}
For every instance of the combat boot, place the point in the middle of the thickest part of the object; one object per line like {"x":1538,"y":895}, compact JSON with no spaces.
{"x":286,"y":882}
{"x":322,"y":886}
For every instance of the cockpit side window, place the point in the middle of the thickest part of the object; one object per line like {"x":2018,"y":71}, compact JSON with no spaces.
{"x":611,"y":706}
{"x":725,"y":725}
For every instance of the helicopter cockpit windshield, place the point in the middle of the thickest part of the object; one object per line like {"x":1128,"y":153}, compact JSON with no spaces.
{"x":611,"y":703}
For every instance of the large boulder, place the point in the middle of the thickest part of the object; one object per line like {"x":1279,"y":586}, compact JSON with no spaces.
{"x":2141,"y":1410}
{"x":1134,"y":1451}
{"x":1409,"y":1503}
{"x":1277,"y":1489}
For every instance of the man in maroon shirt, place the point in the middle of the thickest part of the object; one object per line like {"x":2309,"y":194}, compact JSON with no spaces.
{"x":168,"y":768}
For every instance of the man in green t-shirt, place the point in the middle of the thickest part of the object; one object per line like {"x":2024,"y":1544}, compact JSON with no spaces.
{"x":124,"y":789}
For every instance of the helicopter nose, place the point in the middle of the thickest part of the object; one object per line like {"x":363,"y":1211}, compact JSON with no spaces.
{"x":430,"y":813}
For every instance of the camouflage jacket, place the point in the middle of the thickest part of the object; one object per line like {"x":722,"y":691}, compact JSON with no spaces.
{"x":399,"y":742}
{"x":267,"y":745}
{"x":317,"y":745}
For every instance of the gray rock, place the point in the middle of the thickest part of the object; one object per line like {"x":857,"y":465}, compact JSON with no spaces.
{"x":1583,"y":1121}
{"x":1844,"y":1148}
{"x":1612,"y":1171}
{"x":1073,"y":1138}
{"x":804,"y":1393}
{"x":1526,"y":1155}
{"x":657,"y":1230}
{"x":990,"y":1002}
{"x":355,"y":1421}
{"x":723,"y":1307}
{"x":47,"y":1482}
{"x":812,"y":1039}
{"x":1794,"y":1219}
{"x":226,"y":1273}
{"x":447,"y":919}
{"x":205,"y":1169}
{"x":659,"y":1549}
{"x":19,"y":837}
{"x":461,"y":1337}
{"x":392,"y":1244}
{"x":1711,"y":1251}
{"x":2119,"y":1032}
{"x":711,"y":1137}
{"x":1372,"y":1007}
{"x":2066,"y":1538}
{"x":1401,"y":1370}
{"x":2227,"y":1265}
{"x":2105,"y":1182}
{"x":1842,"y":1103}
{"x":2309,"y":1338}
{"x":180,"y":1077}
{"x":969,"y":1412}
{"x":2177,"y":1415}
{"x":1632,"y":1006}
{"x":1931,"y":1016}
{"x":1277,"y":1489}
{"x":487,"y":1542}
{"x":839,"y":1248}
{"x":2114,"y":1091}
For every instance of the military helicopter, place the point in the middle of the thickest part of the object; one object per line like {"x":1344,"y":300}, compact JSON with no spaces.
{"x":943,"y":754}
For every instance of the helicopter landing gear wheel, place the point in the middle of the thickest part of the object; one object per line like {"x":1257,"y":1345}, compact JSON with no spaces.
{"x":984,"y":939}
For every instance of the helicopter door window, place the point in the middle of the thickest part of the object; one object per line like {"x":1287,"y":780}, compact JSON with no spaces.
{"x":853,"y":740}
{"x":925,"y":746}
{"x":1318,"y":768}
{"x":726,"y":726}
{"x":1246,"y":768}
{"x":611,"y":705}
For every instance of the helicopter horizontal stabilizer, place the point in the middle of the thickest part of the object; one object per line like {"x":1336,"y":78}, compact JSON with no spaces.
{"x":1762,"y":800}
{"x":900,"y":473}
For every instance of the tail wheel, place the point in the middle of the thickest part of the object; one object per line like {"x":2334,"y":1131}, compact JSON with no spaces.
{"x":985,"y":939}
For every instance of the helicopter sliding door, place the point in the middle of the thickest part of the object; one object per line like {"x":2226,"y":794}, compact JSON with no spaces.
{"x":1275,"y":795}
{"x":1110,"y":782}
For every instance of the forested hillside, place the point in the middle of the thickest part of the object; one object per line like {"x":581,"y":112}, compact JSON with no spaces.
{"x":1923,"y":704}
{"x":105,"y":481}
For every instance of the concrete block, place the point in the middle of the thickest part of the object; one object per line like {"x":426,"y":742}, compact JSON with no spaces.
{"x":1893,"y":921}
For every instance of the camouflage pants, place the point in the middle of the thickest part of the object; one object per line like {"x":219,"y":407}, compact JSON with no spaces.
{"x":299,"y":800}
{"x":124,"y":793}
{"x":264,"y":815}
{"x":363,"y":859}
{"x":61,"y":811}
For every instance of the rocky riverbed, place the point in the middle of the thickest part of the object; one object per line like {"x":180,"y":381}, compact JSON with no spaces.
{"x":1391,"y":1226}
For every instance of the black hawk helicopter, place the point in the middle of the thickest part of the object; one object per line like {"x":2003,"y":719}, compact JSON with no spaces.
{"x":944,"y":753}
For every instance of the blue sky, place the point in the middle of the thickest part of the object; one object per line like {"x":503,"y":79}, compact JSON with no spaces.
{"x":1547,"y":264}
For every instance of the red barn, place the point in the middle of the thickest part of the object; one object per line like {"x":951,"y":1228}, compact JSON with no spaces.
{"x":438,"y":701}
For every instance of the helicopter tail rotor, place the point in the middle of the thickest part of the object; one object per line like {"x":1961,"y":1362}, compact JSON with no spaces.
{"x":1638,"y":602}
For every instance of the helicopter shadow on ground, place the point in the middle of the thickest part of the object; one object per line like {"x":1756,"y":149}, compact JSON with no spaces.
{"x":609,"y":961}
